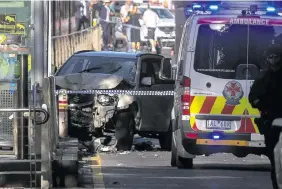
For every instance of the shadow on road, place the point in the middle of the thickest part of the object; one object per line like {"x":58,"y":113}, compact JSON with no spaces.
{"x":236,"y":167}
{"x":201,"y":177}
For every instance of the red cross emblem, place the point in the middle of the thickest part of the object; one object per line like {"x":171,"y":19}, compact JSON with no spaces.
{"x":233,"y":93}
{"x":233,"y":89}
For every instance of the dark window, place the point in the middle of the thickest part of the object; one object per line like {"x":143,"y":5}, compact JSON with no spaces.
{"x":125,"y":67}
{"x":222,"y":49}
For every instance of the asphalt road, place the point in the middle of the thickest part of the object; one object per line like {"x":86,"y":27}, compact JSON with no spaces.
{"x":152,"y":170}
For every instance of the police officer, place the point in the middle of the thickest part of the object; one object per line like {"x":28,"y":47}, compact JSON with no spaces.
{"x":266,"y":95}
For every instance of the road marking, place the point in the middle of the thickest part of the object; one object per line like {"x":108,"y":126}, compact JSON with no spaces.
{"x":197,"y":177}
{"x":98,"y":178}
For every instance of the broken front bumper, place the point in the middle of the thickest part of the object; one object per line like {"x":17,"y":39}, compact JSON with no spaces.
{"x":103,"y":115}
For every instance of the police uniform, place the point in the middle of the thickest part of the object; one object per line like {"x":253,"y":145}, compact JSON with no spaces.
{"x":266,"y":95}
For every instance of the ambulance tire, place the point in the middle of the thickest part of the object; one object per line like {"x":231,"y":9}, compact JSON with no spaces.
{"x":125,"y":129}
{"x":165,"y":140}
{"x":276,"y":168}
{"x":184,"y":163}
{"x":173,"y":154}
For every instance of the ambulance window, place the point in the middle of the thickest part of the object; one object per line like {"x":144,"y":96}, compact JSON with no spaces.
{"x":182,"y":56}
{"x":222,"y":49}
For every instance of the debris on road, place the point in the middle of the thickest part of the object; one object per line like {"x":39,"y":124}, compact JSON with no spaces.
{"x":143,"y":144}
{"x":125,"y":152}
{"x":139,"y":144}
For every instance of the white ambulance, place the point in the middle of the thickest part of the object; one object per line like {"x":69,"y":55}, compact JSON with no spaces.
{"x":220,"y":54}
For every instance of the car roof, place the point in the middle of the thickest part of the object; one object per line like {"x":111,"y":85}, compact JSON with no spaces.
{"x":113,"y":54}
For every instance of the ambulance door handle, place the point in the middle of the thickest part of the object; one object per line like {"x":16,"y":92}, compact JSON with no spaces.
{"x":208,"y":85}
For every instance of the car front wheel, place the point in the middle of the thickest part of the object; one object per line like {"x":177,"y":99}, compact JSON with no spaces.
{"x":125,"y":127}
{"x":165,"y":140}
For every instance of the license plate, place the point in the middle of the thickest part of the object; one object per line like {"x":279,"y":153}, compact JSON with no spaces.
{"x":222,"y":125}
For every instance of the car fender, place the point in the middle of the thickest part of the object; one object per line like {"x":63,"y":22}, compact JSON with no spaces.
{"x":124,"y":101}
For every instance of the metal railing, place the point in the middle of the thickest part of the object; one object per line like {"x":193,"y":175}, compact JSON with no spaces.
{"x":25,"y":122}
{"x":65,"y":45}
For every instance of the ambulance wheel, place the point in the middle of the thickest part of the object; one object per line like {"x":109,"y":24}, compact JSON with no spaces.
{"x":173,"y":154}
{"x":184,"y":163}
{"x":125,"y":127}
{"x":276,"y":167}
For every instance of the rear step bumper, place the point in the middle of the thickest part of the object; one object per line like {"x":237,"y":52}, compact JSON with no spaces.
{"x":203,"y":143}
{"x":227,"y":136}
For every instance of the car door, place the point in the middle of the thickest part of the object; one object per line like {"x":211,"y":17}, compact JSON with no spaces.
{"x":155,"y":109}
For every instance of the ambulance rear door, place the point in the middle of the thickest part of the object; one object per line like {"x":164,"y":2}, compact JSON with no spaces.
{"x":219,"y":86}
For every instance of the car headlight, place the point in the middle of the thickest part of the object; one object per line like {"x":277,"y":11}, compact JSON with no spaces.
{"x":105,"y":100}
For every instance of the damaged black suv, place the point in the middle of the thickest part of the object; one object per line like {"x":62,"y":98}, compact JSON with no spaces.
{"x":109,"y":111}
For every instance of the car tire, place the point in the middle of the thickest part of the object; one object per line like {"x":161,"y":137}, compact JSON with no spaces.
{"x":184,"y":163}
{"x":125,"y":127}
{"x":165,"y":140}
{"x":173,"y":154}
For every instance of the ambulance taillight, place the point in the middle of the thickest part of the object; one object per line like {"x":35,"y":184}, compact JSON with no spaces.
{"x":186,"y":96}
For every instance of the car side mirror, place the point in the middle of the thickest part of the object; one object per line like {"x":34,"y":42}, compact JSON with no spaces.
{"x":277,"y":123}
{"x":166,"y":69}
{"x":54,"y":69}
{"x":146,"y":81}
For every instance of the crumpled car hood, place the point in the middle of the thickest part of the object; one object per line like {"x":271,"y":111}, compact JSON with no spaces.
{"x":88,"y":81}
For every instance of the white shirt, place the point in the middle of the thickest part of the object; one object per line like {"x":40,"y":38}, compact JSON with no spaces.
{"x":124,"y":10}
{"x":108,"y":13}
{"x":150,"y":18}
{"x":83,"y":10}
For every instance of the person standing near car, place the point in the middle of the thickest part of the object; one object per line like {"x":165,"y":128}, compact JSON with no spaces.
{"x":265,"y":95}
{"x":151,"y":19}
{"x":124,"y":13}
{"x":105,"y":23}
{"x":80,"y":15}
{"x":134,"y":17}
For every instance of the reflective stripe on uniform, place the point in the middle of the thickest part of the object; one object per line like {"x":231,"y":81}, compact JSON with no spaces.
{"x":217,"y":106}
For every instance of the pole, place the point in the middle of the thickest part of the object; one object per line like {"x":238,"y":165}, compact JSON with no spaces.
{"x":49,"y":52}
{"x":46,"y":158}
{"x":39,"y":45}
{"x":23,"y":96}
{"x":46,"y":38}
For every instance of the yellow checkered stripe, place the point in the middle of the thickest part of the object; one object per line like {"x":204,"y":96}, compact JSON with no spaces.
{"x":217,"y":106}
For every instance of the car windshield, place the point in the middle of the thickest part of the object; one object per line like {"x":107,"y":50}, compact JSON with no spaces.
{"x":162,"y":13}
{"x":223,"y":50}
{"x":125,"y":67}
